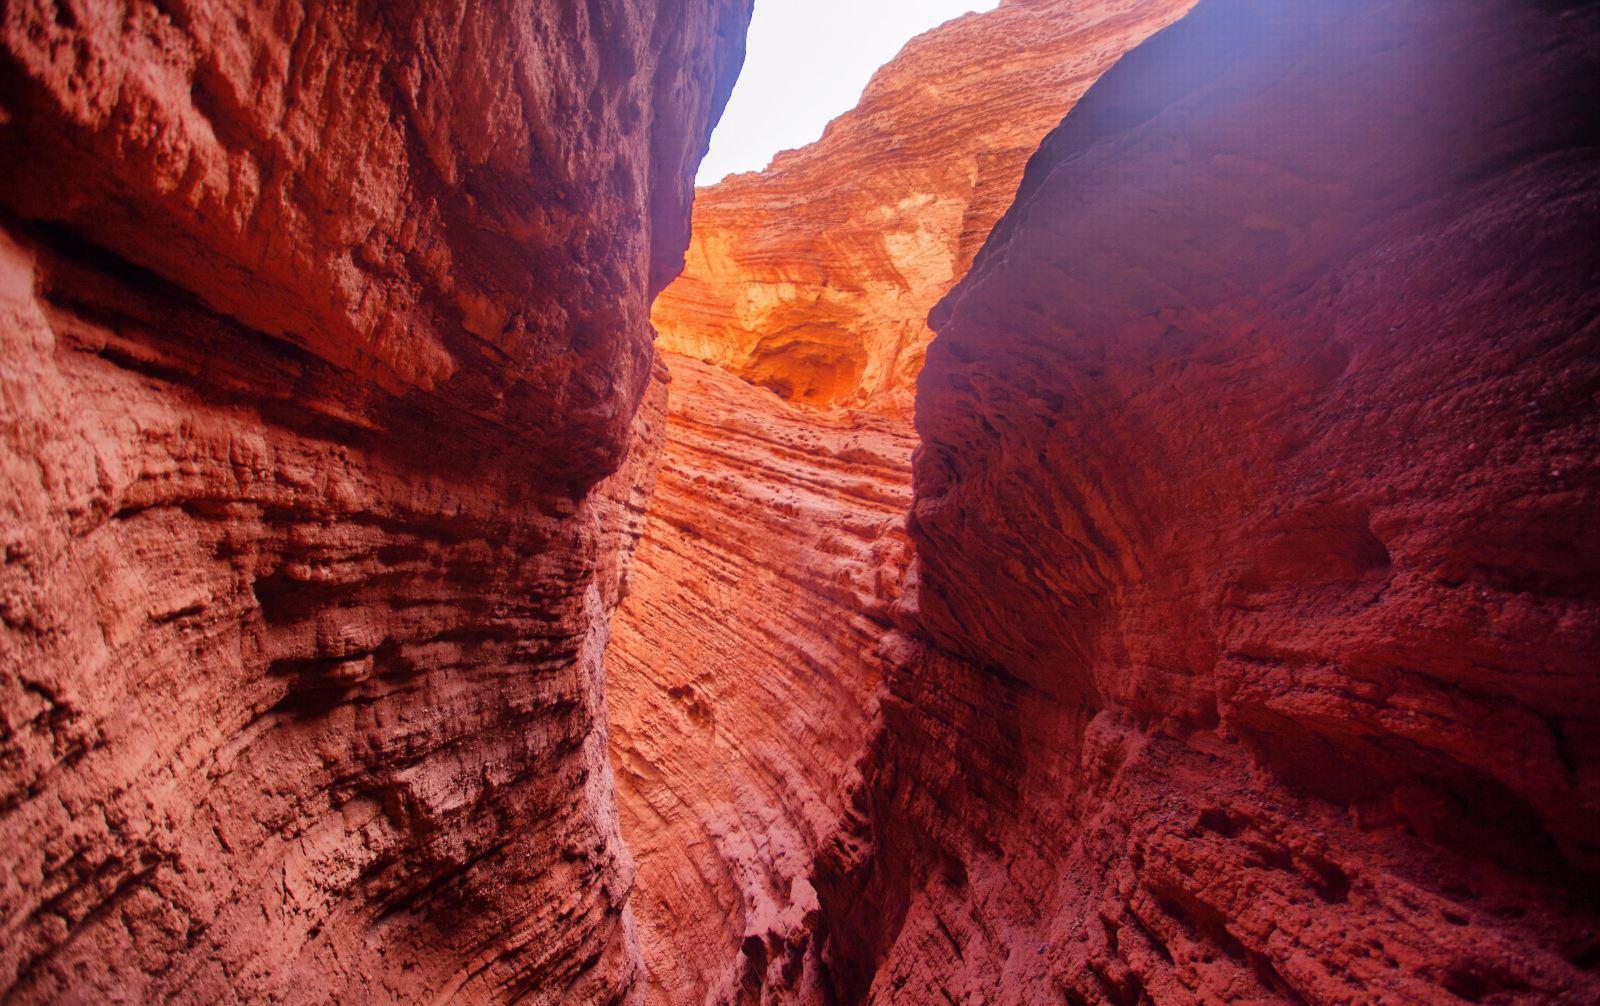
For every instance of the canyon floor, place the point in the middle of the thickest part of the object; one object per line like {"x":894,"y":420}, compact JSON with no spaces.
{"x":1115,"y":521}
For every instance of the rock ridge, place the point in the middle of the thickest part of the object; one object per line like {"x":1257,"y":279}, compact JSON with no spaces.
{"x":815,"y":276}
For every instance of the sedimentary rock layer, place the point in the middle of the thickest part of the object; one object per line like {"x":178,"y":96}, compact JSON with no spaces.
{"x":743,"y":674}
{"x":745,"y":665}
{"x":815,"y":276}
{"x":1255,"y":529}
{"x":323,"y":330}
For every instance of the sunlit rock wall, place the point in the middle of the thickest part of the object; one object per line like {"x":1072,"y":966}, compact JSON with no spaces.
{"x":815,"y":276}
{"x":743,"y":674}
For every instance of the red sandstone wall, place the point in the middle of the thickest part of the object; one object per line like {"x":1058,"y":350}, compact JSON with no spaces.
{"x":323,"y":327}
{"x":814,"y":277}
{"x":742,"y":675}
{"x":745,"y":666}
{"x":1260,"y":469}
{"x":1253,"y":654}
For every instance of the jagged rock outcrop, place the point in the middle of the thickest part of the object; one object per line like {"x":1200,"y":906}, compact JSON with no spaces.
{"x":743,"y":674}
{"x":815,"y":276}
{"x":745,"y":664}
{"x":1253,"y":652}
{"x":323,"y":329}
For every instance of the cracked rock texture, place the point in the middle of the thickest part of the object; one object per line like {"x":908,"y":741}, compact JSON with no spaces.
{"x":324,"y":328}
{"x":1251,"y":653}
{"x":815,"y":276}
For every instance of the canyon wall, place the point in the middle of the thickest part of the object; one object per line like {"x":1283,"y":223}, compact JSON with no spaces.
{"x":324,"y":329}
{"x":746,"y":662}
{"x":815,"y":276}
{"x":743,"y":675}
{"x":1250,"y":652}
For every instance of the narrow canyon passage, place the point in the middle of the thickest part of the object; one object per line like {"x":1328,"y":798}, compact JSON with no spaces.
{"x":1113,"y":522}
{"x":743,"y":671}
{"x":747,"y":659}
{"x":1142,"y":716}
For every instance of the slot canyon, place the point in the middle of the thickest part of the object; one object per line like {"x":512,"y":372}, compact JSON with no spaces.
{"x":1115,"y":521}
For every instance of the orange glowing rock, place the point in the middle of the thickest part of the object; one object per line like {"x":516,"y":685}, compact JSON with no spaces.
{"x":746,"y":663}
{"x":815,"y":276}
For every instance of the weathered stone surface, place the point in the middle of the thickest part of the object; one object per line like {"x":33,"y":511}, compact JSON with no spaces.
{"x":815,"y":276}
{"x":1255,"y":523}
{"x":745,"y":665}
{"x":743,"y":674}
{"x":1249,"y":654}
{"x":431,"y":199}
{"x":323,"y":330}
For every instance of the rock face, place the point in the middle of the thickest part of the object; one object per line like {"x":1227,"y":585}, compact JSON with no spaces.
{"x":1255,"y":530}
{"x":745,"y":664}
{"x":324,"y":328}
{"x":1249,"y":650}
{"x":743,"y":674}
{"x":815,"y":276}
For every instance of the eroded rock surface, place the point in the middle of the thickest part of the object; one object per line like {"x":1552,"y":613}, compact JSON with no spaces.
{"x":743,"y":674}
{"x":324,"y":328}
{"x":1255,"y":523}
{"x":1249,"y":651}
{"x":746,"y":662}
{"x":815,"y":276}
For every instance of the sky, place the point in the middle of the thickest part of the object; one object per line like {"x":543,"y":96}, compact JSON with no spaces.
{"x":806,"y":61}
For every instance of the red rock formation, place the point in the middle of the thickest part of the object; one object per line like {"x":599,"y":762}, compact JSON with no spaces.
{"x":815,"y":276}
{"x":1256,"y":524}
{"x":1249,"y":656}
{"x":742,"y":674}
{"x":744,"y":669}
{"x":323,"y":330}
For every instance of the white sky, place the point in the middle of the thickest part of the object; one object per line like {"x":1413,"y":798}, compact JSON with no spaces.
{"x":807,"y":61}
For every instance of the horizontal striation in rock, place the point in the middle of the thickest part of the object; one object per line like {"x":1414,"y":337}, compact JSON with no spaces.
{"x":815,"y":276}
{"x":746,"y":664}
{"x":743,"y":674}
{"x":316,"y":499}
{"x":1254,"y":523}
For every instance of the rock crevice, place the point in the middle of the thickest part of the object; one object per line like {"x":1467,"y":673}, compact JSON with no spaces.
{"x":747,"y":663}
